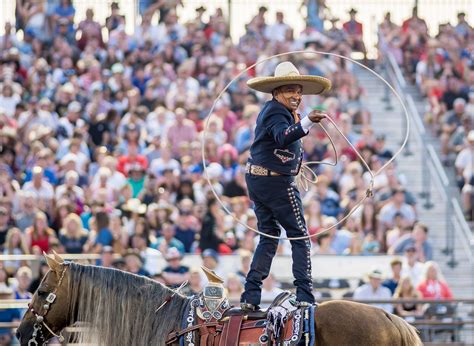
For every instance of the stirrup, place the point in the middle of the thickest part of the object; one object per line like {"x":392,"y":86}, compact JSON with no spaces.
{"x":249,"y":307}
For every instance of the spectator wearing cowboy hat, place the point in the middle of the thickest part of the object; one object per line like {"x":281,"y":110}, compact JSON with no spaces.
{"x":275,"y":160}
{"x":373,"y":289}
{"x":134,"y":263}
{"x":354,"y":31}
{"x":174,"y":273}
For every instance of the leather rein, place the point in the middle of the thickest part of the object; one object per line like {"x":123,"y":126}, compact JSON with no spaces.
{"x":40,"y":316}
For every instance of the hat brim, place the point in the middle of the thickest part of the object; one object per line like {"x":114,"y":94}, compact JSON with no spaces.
{"x":375,"y":276}
{"x":312,"y":85}
{"x":138,"y":210}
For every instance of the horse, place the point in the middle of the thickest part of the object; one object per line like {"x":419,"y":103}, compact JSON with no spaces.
{"x":120,"y":308}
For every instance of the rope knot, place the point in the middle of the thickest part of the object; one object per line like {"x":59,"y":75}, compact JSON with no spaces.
{"x":370,"y":190}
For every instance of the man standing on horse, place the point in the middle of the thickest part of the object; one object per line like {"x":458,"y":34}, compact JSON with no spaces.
{"x":275,"y":160}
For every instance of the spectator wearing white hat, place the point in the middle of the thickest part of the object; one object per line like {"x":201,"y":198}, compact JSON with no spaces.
{"x":175,"y":273}
{"x":374,"y":290}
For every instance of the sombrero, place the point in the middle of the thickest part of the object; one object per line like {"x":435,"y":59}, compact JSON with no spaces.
{"x":286,"y":73}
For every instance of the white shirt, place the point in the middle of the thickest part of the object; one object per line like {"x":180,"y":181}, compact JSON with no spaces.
{"x":157,"y":166}
{"x":41,"y":118}
{"x":69,"y":127}
{"x":62,"y":189}
{"x":367,"y":292}
{"x":117,"y":181}
{"x":46,"y":190}
{"x":9,"y":104}
{"x":415,"y":273}
{"x":306,"y":124}
{"x":276,"y":32}
{"x":387,"y":213}
{"x":153,"y":260}
{"x":465,"y":162}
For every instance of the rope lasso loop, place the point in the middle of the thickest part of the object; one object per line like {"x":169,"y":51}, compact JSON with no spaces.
{"x":302,"y":179}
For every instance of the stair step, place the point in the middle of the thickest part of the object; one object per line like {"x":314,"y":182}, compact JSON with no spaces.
{"x":391,"y":123}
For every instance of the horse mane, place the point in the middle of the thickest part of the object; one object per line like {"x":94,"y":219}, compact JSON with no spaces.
{"x":120,"y":307}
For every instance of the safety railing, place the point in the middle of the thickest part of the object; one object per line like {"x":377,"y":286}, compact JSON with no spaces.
{"x":434,"y":177}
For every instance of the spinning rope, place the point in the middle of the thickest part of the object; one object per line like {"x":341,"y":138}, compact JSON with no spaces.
{"x":302,"y":178}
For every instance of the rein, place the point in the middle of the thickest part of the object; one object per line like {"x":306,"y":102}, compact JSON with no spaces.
{"x":40,"y":318}
{"x":169,"y":297}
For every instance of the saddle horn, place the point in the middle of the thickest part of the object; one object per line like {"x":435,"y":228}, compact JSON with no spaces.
{"x":211,"y":276}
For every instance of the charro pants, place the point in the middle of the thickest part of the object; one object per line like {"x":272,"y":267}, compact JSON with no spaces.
{"x":277,"y":202}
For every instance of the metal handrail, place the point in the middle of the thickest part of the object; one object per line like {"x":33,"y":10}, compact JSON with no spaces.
{"x":416,"y":119}
{"x":464,"y":228}
{"x":438,"y":180}
{"x":437,"y":164}
{"x":398,"y":74}
{"x":432,"y":159}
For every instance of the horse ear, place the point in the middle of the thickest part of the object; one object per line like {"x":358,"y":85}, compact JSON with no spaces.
{"x":57,"y":257}
{"x":52,"y":263}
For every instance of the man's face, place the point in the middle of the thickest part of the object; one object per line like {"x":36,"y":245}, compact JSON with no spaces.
{"x":375,"y":283}
{"x":397,"y":269}
{"x":290,"y":96}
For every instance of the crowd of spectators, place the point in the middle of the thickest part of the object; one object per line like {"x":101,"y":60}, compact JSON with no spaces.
{"x":442,"y":66}
{"x":100,"y":143}
{"x":410,"y":279}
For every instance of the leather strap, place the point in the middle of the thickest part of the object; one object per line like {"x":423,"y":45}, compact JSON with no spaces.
{"x":204,"y":332}
{"x":233,"y":331}
{"x":173,"y":336}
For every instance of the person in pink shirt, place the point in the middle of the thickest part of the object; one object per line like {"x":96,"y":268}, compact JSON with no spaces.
{"x":433,"y":286}
{"x":182,"y":131}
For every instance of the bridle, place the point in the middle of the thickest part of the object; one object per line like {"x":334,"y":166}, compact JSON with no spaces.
{"x":40,"y":317}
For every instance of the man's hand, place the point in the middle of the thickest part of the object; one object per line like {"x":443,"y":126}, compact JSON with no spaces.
{"x":316,"y":116}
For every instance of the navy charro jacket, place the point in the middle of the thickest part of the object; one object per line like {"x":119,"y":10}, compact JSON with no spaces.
{"x":277,"y":144}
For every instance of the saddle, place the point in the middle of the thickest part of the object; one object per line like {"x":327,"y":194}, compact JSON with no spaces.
{"x":209,"y":320}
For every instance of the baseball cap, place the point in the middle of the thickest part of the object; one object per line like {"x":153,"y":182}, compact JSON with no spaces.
{"x":210,"y":253}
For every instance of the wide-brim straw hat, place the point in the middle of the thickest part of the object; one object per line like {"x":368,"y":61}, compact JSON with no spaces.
{"x":134,"y":205}
{"x":285,"y":74}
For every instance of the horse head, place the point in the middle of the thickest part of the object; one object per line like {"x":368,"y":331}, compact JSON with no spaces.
{"x":48,"y":311}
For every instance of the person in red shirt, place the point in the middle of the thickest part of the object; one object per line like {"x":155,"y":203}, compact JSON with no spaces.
{"x":433,"y":286}
{"x":354,"y":32}
{"x":125,"y":162}
{"x":415,"y":23}
{"x":39,"y":236}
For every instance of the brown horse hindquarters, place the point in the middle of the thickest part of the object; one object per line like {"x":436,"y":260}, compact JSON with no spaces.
{"x":347,"y":323}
